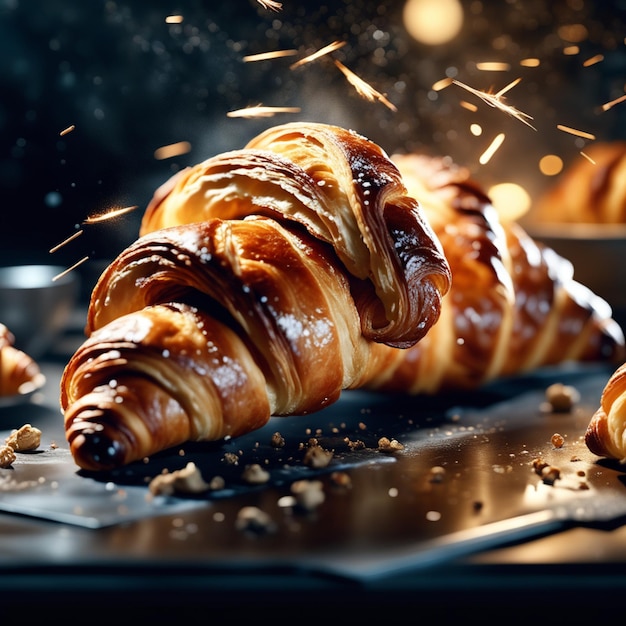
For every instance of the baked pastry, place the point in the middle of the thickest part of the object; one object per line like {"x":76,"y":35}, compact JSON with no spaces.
{"x":513,"y":305}
{"x":592,"y":190}
{"x":19,"y":372}
{"x":269,"y":279}
{"x":203,"y":330}
{"x":606,"y":433}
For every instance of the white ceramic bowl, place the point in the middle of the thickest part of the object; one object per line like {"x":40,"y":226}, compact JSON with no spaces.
{"x":36,"y":302}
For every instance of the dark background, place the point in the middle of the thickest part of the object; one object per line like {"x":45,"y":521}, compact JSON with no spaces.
{"x":131,"y":83}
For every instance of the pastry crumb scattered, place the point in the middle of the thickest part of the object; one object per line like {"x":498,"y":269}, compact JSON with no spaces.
{"x":231,"y":458}
{"x":308,"y":494}
{"x":341,"y":479}
{"x":187,"y":480}
{"x":7,"y":456}
{"x":254,"y":474}
{"x":437,"y":474}
{"x":389,"y":445}
{"x":277,"y":440}
{"x":252,"y":519}
{"x":24,"y":439}
{"x":557,"y":440}
{"x":550,"y":474}
{"x":317,"y":457}
{"x":561,"y":398}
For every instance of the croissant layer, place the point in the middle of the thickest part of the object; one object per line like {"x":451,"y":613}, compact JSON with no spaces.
{"x":267,"y":280}
{"x":202,"y":330}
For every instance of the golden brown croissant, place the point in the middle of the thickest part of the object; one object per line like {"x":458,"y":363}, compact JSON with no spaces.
{"x":606,"y":433}
{"x":513,"y":305}
{"x":19,"y":372}
{"x":592,"y":190}
{"x":204,"y":330}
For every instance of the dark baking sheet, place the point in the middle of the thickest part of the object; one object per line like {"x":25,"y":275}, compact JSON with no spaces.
{"x":394,"y":517}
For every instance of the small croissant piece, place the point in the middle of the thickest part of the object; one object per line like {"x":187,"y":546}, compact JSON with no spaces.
{"x":606,"y":433}
{"x":204,"y":330}
{"x":592,"y":190}
{"x":19,"y":372}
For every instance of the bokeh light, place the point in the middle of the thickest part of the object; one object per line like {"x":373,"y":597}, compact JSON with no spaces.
{"x":433,"y":22}
{"x":511,"y":200}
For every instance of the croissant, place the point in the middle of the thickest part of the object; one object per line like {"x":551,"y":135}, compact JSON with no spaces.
{"x":513,"y":306}
{"x":606,"y":432}
{"x":205,"y":329}
{"x":19,"y":372}
{"x":592,"y":190}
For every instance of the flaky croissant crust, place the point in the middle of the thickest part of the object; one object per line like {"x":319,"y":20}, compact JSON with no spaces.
{"x":345,"y":191}
{"x":204,"y":330}
{"x":606,"y":433}
{"x":258,"y":276}
{"x":513,"y":305}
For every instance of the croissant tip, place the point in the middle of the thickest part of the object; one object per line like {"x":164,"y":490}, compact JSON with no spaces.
{"x":597,"y":433}
{"x":92,"y":448}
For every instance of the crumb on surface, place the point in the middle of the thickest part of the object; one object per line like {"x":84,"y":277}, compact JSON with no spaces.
{"x":186,"y":480}
{"x":562,"y":398}
{"x":254,"y":474}
{"x":7,"y":456}
{"x":231,"y":458}
{"x":557,"y":440}
{"x":24,"y":439}
{"x":341,"y":479}
{"x":550,"y":474}
{"x":255,"y":520}
{"x":308,"y":494}
{"x":317,"y":457}
{"x":277,"y":440}
{"x":389,"y":445}
{"x":437,"y":474}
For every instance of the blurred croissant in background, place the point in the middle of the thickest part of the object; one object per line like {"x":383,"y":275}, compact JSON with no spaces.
{"x":19,"y":372}
{"x":267,"y":280}
{"x":592,"y":190}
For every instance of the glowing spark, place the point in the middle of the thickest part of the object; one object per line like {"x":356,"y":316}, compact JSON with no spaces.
{"x":588,"y":158}
{"x":270,"y":4}
{"x":109,"y":215}
{"x":493,"y":66}
{"x":530,"y":62}
{"x":593,"y":60}
{"x":485,"y":157}
{"x":69,"y":269}
{"x":573,"y":131}
{"x":262,"y":56}
{"x":77,"y":234}
{"x":174,"y":19}
{"x":469,"y":106}
{"x":331,"y":47}
{"x":67,"y":130}
{"x":496,"y":101}
{"x":172,"y":150}
{"x":609,"y":105}
{"x":262,"y":111}
{"x":507,"y":88}
{"x":441,"y":84}
{"x":571,"y":50}
{"x":362,"y":88}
